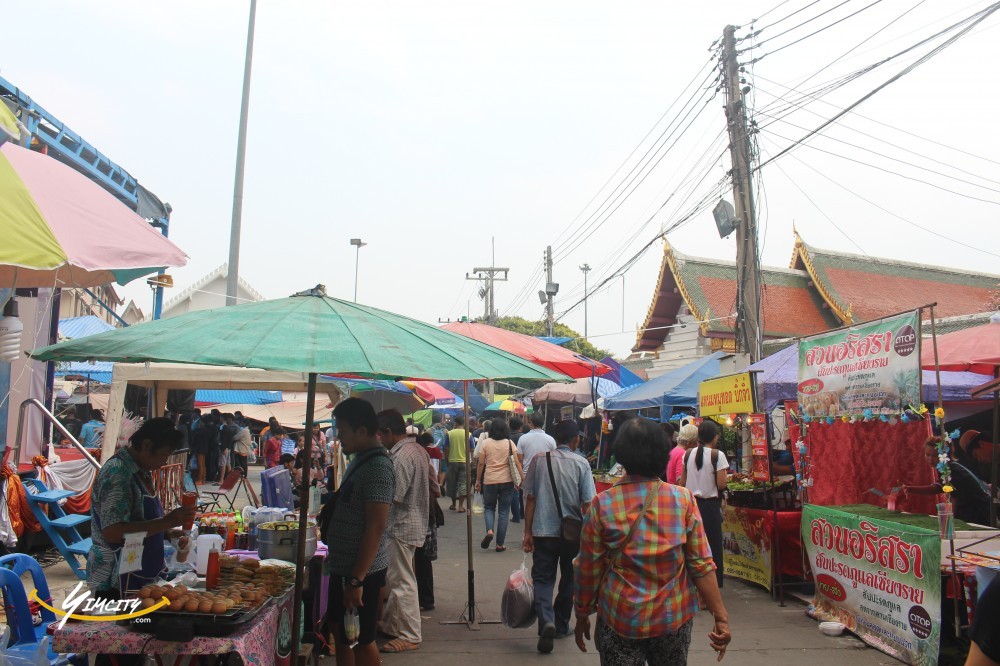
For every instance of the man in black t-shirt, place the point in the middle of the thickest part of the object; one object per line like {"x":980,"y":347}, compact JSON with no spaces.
{"x":985,"y":633}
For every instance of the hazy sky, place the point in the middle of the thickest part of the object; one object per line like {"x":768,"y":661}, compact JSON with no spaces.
{"x":430,"y":128}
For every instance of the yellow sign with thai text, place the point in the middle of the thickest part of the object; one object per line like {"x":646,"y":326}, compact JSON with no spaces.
{"x":732,"y":394}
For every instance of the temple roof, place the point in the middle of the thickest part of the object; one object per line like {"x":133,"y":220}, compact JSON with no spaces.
{"x":708,"y":288}
{"x":822,"y":290}
{"x":859,"y":288}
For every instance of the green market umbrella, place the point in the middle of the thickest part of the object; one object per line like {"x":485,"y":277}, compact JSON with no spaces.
{"x":308,"y":333}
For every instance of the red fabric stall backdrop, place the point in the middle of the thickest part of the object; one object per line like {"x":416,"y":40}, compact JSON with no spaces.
{"x":846,"y":459}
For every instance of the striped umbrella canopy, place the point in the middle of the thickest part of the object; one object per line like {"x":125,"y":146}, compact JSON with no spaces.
{"x":60,"y":229}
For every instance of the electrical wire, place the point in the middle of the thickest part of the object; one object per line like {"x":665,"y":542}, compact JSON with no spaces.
{"x":813,"y":34}
{"x":695,"y":103}
{"x":892,"y":213}
{"x":890,"y":171}
{"x":822,"y":212}
{"x":879,"y":139}
{"x":982,"y":16}
{"x":782,"y":19}
{"x":890,"y":157}
{"x":796,"y":27}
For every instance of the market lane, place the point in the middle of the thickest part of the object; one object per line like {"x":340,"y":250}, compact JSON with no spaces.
{"x":764,"y":633}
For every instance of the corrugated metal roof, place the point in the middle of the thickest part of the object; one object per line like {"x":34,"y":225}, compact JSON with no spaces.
{"x":81,"y":327}
{"x":236,"y":397}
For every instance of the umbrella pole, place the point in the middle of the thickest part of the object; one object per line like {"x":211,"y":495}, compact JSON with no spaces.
{"x":470,"y":610}
{"x":996,"y":453}
{"x":303,"y":519}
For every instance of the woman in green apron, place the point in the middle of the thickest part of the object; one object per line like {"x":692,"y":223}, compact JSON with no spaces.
{"x":124,"y":502}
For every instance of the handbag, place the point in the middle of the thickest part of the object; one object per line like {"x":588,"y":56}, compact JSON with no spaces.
{"x":570,"y":527}
{"x":515,"y":474}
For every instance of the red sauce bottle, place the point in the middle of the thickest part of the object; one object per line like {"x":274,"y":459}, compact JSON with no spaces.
{"x":212,"y":571}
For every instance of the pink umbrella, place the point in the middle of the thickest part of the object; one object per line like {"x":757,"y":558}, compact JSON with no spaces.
{"x":60,"y":229}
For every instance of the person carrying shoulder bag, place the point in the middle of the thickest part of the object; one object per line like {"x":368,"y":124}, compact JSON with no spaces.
{"x":558,"y":491}
{"x":704,"y":475}
{"x":498,"y":474}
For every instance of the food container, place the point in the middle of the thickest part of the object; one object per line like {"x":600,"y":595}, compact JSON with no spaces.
{"x":832,"y":628}
{"x":280,"y":540}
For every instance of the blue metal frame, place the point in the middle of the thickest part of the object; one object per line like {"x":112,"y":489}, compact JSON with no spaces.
{"x":75,"y":151}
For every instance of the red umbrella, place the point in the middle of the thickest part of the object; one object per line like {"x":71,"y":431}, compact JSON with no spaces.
{"x":531,"y":349}
{"x":432,"y":392}
{"x":970,"y":350}
{"x":973,"y":350}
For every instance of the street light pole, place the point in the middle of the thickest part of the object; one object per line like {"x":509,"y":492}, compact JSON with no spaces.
{"x":233,"y":276}
{"x":586,"y":269}
{"x":357,"y":242}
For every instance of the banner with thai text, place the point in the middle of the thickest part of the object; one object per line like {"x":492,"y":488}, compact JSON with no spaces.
{"x":872,"y":366}
{"x":732,"y":394}
{"x":880,"y":579}
{"x":758,"y":443}
{"x":746,"y":540}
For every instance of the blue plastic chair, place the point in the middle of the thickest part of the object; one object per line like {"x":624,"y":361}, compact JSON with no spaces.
{"x":25,"y":637}
{"x":19,"y":564}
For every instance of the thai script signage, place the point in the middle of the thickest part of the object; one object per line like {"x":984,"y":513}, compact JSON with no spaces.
{"x":746,"y":540}
{"x":873,"y":366}
{"x":732,"y":394}
{"x":880,"y":579}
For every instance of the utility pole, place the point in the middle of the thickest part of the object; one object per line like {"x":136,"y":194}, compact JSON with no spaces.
{"x":547,"y":295}
{"x":749,"y":329}
{"x":488,"y":276}
{"x":586,"y":269}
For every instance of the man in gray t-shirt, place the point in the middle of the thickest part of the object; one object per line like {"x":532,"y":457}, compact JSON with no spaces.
{"x":574,"y":484}
{"x":533,"y":442}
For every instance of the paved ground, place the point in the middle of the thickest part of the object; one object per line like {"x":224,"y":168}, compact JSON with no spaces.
{"x":763,"y":632}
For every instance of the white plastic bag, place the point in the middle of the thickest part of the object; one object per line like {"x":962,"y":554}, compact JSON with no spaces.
{"x":478,"y":507}
{"x":517,"y":604}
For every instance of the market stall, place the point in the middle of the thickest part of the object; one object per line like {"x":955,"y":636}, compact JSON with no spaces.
{"x":322,"y":335}
{"x":885,"y":572}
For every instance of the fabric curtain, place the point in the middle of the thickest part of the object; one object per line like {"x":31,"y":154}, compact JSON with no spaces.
{"x":847,"y":459}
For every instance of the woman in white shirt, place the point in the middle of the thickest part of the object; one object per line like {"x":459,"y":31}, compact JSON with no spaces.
{"x":705,"y":476}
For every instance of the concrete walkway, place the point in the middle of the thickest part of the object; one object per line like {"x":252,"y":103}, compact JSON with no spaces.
{"x":763,"y":632}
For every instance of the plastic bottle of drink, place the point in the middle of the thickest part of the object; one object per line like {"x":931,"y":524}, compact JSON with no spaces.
{"x":230,"y":532}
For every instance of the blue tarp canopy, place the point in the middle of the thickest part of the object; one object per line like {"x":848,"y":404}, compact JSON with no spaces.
{"x":80,"y":327}
{"x":554,"y":340}
{"x":778,"y":380}
{"x":236,"y":397}
{"x":477,"y":401}
{"x":677,"y":388}
{"x":620,"y":374}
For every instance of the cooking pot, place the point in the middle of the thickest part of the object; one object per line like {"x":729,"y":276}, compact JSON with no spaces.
{"x":280,"y":540}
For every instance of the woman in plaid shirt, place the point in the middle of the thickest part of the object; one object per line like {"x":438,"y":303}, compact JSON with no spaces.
{"x":641,"y":580}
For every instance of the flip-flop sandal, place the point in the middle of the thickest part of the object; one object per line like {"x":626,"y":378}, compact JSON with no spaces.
{"x":501,"y":549}
{"x":460,"y":510}
{"x":451,"y":508}
{"x":487,"y":540}
{"x":399,"y":645}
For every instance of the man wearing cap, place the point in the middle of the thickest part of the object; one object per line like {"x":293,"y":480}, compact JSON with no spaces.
{"x":558,"y":485}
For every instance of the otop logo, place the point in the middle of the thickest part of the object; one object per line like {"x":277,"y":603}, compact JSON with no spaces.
{"x":75,"y":600}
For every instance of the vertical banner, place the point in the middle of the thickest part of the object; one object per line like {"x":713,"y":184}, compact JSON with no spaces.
{"x":758,"y":442}
{"x":746,"y":540}
{"x":880,"y":579}
{"x":872,"y":366}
